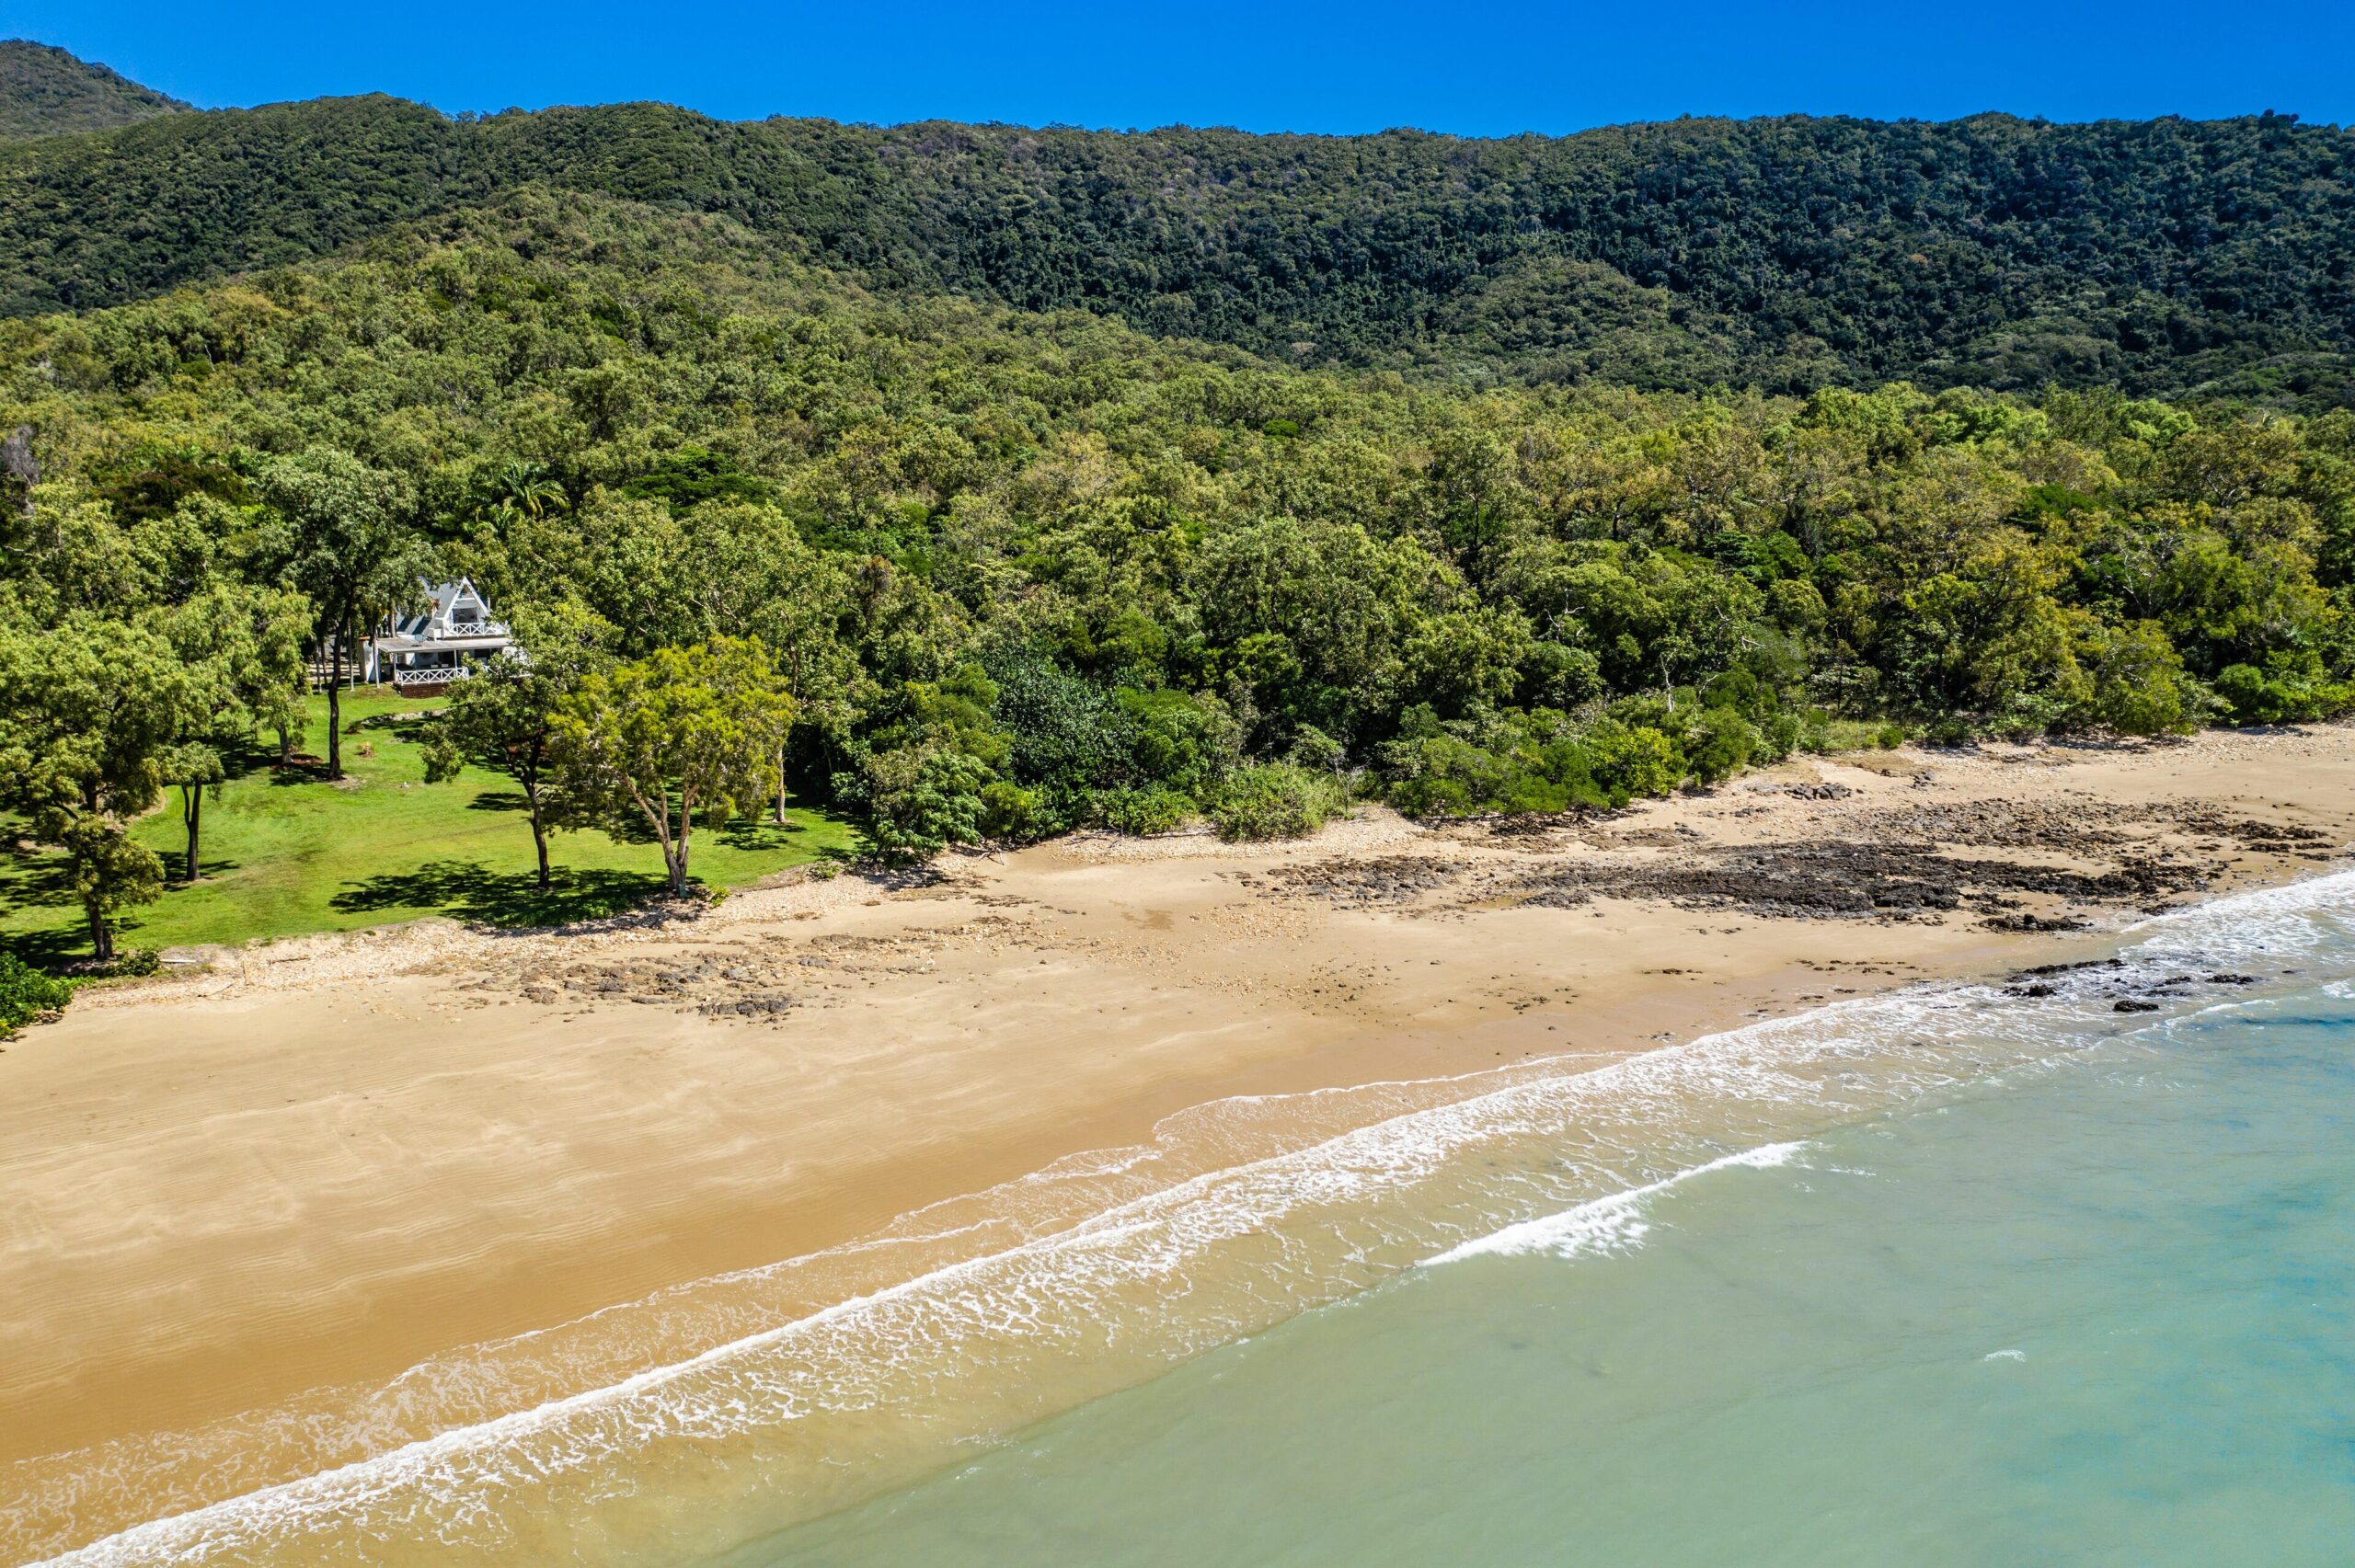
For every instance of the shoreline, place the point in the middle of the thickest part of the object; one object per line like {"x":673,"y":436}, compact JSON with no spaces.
{"x":456,"y":1165}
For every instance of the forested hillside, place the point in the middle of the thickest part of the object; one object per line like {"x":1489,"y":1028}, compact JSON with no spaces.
{"x":971,"y":572}
{"x":979,"y":483}
{"x":2161,"y":256}
{"x":44,"y":90}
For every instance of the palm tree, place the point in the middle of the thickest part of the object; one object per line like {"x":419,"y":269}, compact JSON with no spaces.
{"x":525,"y":489}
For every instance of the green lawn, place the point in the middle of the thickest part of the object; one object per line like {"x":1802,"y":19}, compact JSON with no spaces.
{"x":284,"y":851}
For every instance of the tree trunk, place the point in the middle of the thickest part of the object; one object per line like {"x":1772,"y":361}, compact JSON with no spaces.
{"x":334,"y":694}
{"x":539,"y":837}
{"x":678,"y":862}
{"x":191,"y":814}
{"x":102,"y":937}
{"x":780,"y":786}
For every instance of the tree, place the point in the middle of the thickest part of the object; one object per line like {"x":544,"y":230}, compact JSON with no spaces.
{"x":1476,"y":497}
{"x":748,"y":573}
{"x":682,"y":731}
{"x":504,"y":717}
{"x":340,"y":532}
{"x":524,"y":491}
{"x":110,"y":872}
{"x":2137,"y":680}
{"x":241,"y":651}
{"x":1315,"y":616}
{"x":925,"y":777}
{"x":88,"y":709}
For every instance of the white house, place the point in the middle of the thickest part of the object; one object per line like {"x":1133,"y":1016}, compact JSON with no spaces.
{"x":421,"y":652}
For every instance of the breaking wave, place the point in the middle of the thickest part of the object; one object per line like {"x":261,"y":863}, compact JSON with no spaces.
{"x":1605,"y":1224}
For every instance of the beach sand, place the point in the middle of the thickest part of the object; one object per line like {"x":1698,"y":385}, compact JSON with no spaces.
{"x":322,"y":1161}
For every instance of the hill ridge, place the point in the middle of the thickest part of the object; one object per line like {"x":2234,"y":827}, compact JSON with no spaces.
{"x":45,"y":90}
{"x":2165,"y":256}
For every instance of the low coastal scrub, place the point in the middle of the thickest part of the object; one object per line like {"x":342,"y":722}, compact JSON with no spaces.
{"x":1277,"y":800}
{"x":25,"y":994}
{"x":1144,"y":812}
{"x":1526,"y":762}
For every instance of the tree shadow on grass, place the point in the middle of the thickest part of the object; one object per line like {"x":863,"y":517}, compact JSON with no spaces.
{"x":466,"y":890}
{"x":413,"y":723}
{"x":37,"y":877}
{"x":756,"y":833}
{"x":630,"y":829}
{"x":42,"y":879}
{"x":761,"y":832}
{"x":49,"y":951}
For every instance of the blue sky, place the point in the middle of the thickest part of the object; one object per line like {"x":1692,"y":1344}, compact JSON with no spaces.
{"x":1479,"y":69}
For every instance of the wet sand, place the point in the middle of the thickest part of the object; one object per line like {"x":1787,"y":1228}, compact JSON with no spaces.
{"x":326,"y":1160}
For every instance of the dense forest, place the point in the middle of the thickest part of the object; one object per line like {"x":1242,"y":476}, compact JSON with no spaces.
{"x":971,"y":572}
{"x":1789,"y":254}
{"x":44,"y":90}
{"x":829,"y":488}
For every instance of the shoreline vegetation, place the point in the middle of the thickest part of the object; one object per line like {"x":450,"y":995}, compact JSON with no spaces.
{"x":947,"y":574}
{"x":327,"y":1121}
{"x":861,"y":513}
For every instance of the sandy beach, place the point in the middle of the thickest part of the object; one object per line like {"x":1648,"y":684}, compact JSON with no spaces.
{"x":319,"y":1163}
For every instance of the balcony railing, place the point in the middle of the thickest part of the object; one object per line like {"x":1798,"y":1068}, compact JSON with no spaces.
{"x":437,"y":675}
{"x":468,"y":629}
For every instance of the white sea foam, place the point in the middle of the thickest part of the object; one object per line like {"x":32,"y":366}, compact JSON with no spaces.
{"x":2296,"y":918}
{"x":1606,"y":1224}
{"x":1158,"y":1277}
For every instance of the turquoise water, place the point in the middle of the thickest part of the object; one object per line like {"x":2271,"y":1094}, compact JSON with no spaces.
{"x":2096,"y":1308}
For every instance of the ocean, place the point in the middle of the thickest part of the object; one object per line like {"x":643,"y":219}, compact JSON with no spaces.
{"x":1967,"y":1273}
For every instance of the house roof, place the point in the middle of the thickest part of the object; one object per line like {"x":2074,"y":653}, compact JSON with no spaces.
{"x":439,"y":599}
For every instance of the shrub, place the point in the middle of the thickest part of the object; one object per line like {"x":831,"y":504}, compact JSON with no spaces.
{"x":924,"y":800}
{"x":1178,"y":743}
{"x":1068,"y":738}
{"x":25,"y":994}
{"x":1556,"y":676}
{"x":1275,"y":800}
{"x":2027,"y":715}
{"x":1781,"y":734}
{"x":2289,"y":691}
{"x":1008,"y":811}
{"x":1448,"y":777}
{"x":1315,"y":750}
{"x":1630,"y":763}
{"x":1514,"y":762}
{"x":1145,"y":811}
{"x":1719,"y":746}
{"x":2138,"y":681}
{"x":1953,"y":729}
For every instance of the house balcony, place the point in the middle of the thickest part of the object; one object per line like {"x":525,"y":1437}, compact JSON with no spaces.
{"x":427,"y":681}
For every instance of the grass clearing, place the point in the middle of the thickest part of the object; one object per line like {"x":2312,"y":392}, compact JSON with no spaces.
{"x":284,"y":852}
